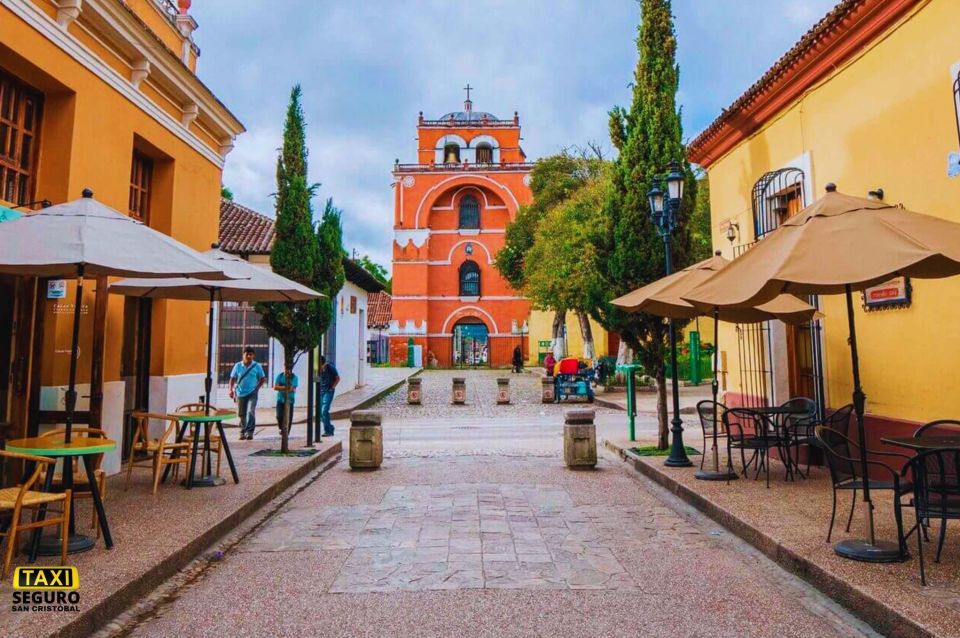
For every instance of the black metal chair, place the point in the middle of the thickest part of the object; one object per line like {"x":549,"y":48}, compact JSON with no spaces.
{"x":942,"y":427}
{"x":846,"y":474}
{"x":749,"y":430}
{"x":705,"y":410}
{"x":936,"y":493}
{"x":798,"y":427}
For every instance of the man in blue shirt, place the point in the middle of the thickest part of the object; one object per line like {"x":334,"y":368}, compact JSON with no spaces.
{"x":246,"y":379}
{"x":280,"y":385}
{"x":329,"y":378}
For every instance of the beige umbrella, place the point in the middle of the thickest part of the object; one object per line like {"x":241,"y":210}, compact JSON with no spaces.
{"x":837,"y":245}
{"x":664,"y":298}
{"x":250,"y":283}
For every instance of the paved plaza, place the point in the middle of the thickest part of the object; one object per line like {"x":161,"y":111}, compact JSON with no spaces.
{"x":477,"y":542}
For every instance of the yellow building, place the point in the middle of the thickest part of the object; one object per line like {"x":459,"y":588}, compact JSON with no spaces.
{"x":102,"y":94}
{"x":868,"y":99}
{"x":540,"y":331}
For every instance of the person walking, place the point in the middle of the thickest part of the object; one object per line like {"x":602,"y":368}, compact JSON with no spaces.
{"x":246,"y":379}
{"x":280,"y":386}
{"x":518,"y":359}
{"x":329,"y":378}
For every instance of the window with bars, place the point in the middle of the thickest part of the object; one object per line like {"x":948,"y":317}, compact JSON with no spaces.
{"x":240,"y":327}
{"x":141,"y":184}
{"x":20,"y":108}
{"x":469,"y":217}
{"x":956,"y":102}
{"x":469,"y":279}
{"x":484,"y":153}
{"x":776,"y":196}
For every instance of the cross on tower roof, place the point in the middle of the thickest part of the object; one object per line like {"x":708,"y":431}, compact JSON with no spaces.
{"x":468,"y":105}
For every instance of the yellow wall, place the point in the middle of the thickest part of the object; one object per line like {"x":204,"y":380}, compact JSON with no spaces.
{"x":87,"y":138}
{"x":886,"y":119}
{"x":540,"y":324}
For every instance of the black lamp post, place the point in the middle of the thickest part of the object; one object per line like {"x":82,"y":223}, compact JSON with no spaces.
{"x":664,"y":208}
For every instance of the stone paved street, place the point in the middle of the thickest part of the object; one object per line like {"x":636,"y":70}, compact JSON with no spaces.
{"x":476,"y":541}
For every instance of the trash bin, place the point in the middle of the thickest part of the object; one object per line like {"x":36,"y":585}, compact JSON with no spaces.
{"x":579,"y":439}
{"x":413,"y":390}
{"x":503,"y":391}
{"x":366,"y":440}
{"x":459,"y":390}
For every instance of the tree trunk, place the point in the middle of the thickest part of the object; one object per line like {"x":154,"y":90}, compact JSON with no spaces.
{"x":624,"y":355}
{"x":586,"y":330}
{"x":559,"y":321}
{"x":663,"y":422}
{"x":287,"y":408}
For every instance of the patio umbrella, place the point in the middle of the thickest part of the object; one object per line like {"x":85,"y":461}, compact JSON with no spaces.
{"x":664,"y":298}
{"x":249,"y":283}
{"x":839,"y":244}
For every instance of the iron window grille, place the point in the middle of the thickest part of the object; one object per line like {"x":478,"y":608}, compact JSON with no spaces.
{"x":956,"y":102}
{"x":240,"y":327}
{"x":469,"y":279}
{"x":469,"y":217}
{"x":776,"y":196}
{"x":141,"y":185}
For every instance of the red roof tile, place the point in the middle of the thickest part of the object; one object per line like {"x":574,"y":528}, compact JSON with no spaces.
{"x":244,"y":231}
{"x":379,"y":307}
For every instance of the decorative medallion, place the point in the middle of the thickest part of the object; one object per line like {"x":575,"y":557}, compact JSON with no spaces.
{"x":408,"y":181}
{"x":526,"y":179}
{"x":469,"y":249}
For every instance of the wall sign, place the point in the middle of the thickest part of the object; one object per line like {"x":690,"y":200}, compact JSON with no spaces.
{"x":57,"y":289}
{"x":895,"y":293}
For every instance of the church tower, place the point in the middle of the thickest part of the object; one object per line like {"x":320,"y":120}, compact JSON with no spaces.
{"x":451,"y":209}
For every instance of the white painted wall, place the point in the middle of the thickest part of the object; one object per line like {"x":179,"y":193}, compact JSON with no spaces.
{"x":351,"y":335}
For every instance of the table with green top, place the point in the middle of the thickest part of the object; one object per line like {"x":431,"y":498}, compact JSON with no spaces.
{"x":55,"y":447}
{"x":194,"y":419}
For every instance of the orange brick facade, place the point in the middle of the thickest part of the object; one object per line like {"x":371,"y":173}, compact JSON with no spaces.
{"x":450,"y":212}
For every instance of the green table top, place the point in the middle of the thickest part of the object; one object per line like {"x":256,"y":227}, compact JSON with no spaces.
{"x":202,"y":417}
{"x":55,"y":446}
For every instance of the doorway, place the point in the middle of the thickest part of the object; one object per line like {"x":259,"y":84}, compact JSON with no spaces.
{"x":471,"y":341}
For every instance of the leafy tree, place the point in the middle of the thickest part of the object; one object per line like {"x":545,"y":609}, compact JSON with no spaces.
{"x":330,"y":276}
{"x":296,"y":254}
{"x":379,"y":272}
{"x":701,"y":233}
{"x":648,"y":136}
{"x":226,"y":193}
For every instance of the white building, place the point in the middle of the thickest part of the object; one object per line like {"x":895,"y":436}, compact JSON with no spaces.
{"x":248,"y":234}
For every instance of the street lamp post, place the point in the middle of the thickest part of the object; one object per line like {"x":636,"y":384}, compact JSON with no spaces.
{"x":664,"y":208}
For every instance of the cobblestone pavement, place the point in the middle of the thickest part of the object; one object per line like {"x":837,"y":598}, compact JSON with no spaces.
{"x":476,"y":540}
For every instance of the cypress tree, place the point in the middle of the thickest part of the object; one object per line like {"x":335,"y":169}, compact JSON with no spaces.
{"x":648,"y":136}
{"x":296,"y":253}
{"x":330,"y":276}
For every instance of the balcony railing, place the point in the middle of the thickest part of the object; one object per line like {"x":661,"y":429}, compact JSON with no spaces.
{"x":465,"y":166}
{"x":169,"y":7}
{"x":478,"y":123}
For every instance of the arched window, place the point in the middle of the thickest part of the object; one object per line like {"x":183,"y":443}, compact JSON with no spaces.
{"x":777,"y":195}
{"x":469,"y":212}
{"x":451,"y":154}
{"x":469,"y":279}
{"x":484,"y":153}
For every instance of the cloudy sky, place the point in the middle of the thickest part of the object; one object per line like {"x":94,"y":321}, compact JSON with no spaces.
{"x":367,"y":68}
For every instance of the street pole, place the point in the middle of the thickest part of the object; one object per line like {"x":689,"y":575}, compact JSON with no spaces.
{"x":678,"y":453}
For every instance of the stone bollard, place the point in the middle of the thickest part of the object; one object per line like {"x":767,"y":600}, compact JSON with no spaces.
{"x":366,"y":440}
{"x":547,"y":390}
{"x":579,"y":439}
{"x":459,"y":390}
{"x":413,"y":390}
{"x":503,"y":391}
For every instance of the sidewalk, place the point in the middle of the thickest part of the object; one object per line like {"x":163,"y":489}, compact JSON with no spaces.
{"x":788,"y":523}
{"x":647,"y":399}
{"x":157,"y":535}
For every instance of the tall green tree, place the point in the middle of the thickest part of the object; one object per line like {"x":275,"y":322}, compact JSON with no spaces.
{"x":330,"y":276}
{"x":296,"y":253}
{"x":648,"y":136}
{"x":701,"y":233}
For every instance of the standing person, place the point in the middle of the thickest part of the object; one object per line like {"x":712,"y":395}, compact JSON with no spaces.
{"x":517,"y":359}
{"x":329,"y":378}
{"x":549,"y":363}
{"x":280,"y":386}
{"x":246,"y":379}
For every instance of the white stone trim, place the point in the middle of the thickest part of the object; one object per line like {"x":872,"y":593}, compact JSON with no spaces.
{"x":33,"y":16}
{"x":474,"y":308}
{"x":440,"y":184}
{"x":418,"y":236}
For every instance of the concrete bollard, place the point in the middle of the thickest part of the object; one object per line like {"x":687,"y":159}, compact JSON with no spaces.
{"x":413,"y":390}
{"x":579,"y":439}
{"x":366,"y":440}
{"x":503,"y":391}
{"x":459,"y":390}
{"x":547,"y":390}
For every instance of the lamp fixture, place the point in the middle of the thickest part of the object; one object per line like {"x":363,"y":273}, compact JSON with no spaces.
{"x":875,"y":195}
{"x":733,"y":229}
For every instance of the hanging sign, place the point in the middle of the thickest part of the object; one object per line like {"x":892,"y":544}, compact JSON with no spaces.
{"x":57,"y":289}
{"x":895,"y":293}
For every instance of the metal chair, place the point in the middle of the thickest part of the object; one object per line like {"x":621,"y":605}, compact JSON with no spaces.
{"x":936,"y":493}
{"x":798,"y":427}
{"x":705,"y":410}
{"x":24,"y":496}
{"x":846,"y":474}
{"x":942,"y":427}
{"x":749,"y":430}
{"x":81,"y":485}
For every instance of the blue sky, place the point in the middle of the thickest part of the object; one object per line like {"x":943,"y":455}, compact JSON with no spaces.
{"x":367,"y":68}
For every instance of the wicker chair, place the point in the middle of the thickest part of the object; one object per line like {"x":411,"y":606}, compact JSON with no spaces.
{"x":24,"y":496}
{"x":215,"y":445}
{"x":81,"y":485}
{"x":705,"y":410}
{"x":159,"y":452}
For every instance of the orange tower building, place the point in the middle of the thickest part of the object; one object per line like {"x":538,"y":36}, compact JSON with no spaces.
{"x":451,"y":209}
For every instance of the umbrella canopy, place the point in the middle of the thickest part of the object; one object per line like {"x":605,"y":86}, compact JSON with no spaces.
{"x":248,"y":283}
{"x":664,"y":298}
{"x":836,"y":242}
{"x":86,"y":237}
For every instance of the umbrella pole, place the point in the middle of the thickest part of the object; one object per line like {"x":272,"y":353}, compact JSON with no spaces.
{"x":869,"y":549}
{"x":208,"y":382}
{"x":715,"y":474}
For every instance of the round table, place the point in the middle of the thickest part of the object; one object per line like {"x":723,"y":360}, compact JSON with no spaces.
{"x":924,"y":443}
{"x":55,"y":447}
{"x":194,"y":419}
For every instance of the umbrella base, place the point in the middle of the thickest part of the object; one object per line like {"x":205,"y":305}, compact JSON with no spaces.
{"x":670,"y":462}
{"x":206,"y":481}
{"x":715,"y":475}
{"x":867,"y":552}
{"x":77,"y":543}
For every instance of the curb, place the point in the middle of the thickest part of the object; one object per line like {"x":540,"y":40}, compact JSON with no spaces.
{"x":344,"y":413}
{"x":97,"y":617}
{"x":873,"y":611}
